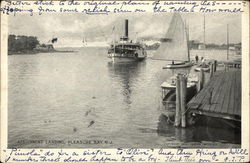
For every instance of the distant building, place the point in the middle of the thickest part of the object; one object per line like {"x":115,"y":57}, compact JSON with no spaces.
{"x":44,"y":47}
{"x":193,"y":44}
{"x":231,"y":48}
{"x":236,"y":48}
{"x":201,"y":46}
{"x":151,"y":44}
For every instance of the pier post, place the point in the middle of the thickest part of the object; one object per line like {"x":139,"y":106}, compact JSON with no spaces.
{"x":211,"y":70}
{"x":183,"y":87}
{"x":215,"y":65}
{"x":201,"y":80}
{"x":178,"y":104}
{"x":210,"y":97}
{"x":225,"y":67}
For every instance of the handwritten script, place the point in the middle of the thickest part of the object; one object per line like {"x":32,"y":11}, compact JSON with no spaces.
{"x":126,"y":155}
{"x":132,"y":154}
{"x":106,"y":7}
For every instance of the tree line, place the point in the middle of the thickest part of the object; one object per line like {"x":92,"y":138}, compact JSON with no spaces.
{"x":20,"y":44}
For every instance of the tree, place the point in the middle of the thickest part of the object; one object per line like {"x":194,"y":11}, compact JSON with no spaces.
{"x":22,"y":43}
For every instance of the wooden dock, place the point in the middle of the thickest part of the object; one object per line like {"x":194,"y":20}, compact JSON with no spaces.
{"x":234,"y":63}
{"x":220,"y":97}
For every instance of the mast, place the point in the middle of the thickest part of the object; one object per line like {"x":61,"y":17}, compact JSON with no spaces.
{"x":136,"y":36}
{"x":204,"y":29}
{"x":204,"y":34}
{"x":188,"y":42}
{"x":84,"y":41}
{"x":114,"y":43}
{"x":187,"y":34}
{"x":114,"y":38}
{"x":227,"y":42}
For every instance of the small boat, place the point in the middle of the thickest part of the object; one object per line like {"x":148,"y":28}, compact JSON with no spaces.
{"x":203,"y":66}
{"x":174,"y":47}
{"x":205,"y":69}
{"x":94,"y":43}
{"x":169,"y":91}
{"x":84,"y":42}
{"x":169,"y":96}
{"x":178,"y":65}
{"x":126,"y":50}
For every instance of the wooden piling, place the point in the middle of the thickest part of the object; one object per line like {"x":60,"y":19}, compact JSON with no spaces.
{"x":211,"y":70}
{"x":201,"y":80}
{"x":178,"y":104}
{"x":225,"y":67}
{"x":210,"y":96}
{"x":183,"y":90}
{"x":215,"y":65}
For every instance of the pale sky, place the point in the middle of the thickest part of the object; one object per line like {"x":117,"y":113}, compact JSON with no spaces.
{"x":71,"y":28}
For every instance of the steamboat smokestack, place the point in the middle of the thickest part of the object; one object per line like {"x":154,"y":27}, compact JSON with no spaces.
{"x":126,"y":28}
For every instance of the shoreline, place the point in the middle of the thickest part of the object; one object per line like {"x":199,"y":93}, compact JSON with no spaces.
{"x":40,"y":51}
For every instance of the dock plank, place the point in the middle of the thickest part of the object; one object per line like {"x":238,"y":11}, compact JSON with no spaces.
{"x":225,"y":99}
{"x":200,"y":96}
{"x":220,"y":101}
{"x":205,"y":102}
{"x":217,"y":91}
{"x":231,"y":105}
{"x":237,"y":107}
{"x":228,"y":86}
{"x":240,"y":94}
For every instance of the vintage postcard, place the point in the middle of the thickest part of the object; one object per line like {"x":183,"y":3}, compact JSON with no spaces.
{"x":124,"y":81}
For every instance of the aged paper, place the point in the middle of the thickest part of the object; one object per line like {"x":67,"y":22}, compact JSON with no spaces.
{"x":95,"y":81}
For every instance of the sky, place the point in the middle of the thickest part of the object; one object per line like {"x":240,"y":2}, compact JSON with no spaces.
{"x":71,"y":28}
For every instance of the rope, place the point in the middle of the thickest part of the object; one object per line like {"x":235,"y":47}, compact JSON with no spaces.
{"x":169,"y":120}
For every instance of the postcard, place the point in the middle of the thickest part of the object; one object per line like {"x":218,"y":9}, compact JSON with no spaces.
{"x":124,"y":81}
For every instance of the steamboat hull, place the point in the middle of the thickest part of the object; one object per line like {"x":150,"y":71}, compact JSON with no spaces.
{"x":119,"y":59}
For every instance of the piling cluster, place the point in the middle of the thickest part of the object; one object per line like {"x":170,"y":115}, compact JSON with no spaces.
{"x":181,"y":93}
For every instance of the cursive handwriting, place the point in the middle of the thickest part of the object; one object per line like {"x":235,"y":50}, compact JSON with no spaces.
{"x":126,"y":155}
{"x":106,"y":7}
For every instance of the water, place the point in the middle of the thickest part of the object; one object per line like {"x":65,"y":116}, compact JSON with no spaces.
{"x":81,"y":100}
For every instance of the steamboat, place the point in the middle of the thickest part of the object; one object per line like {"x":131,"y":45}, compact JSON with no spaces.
{"x":126,"y":50}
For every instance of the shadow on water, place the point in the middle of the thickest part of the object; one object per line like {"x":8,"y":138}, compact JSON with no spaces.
{"x":126,"y":74}
{"x":197,"y":133}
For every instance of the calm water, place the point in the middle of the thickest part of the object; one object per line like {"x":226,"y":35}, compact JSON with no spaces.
{"x":81,"y":100}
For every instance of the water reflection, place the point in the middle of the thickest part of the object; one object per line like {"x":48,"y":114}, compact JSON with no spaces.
{"x":24,"y":70}
{"x":168,"y":130}
{"x":197,"y":133}
{"x":50,"y":94}
{"x":127,"y":74}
